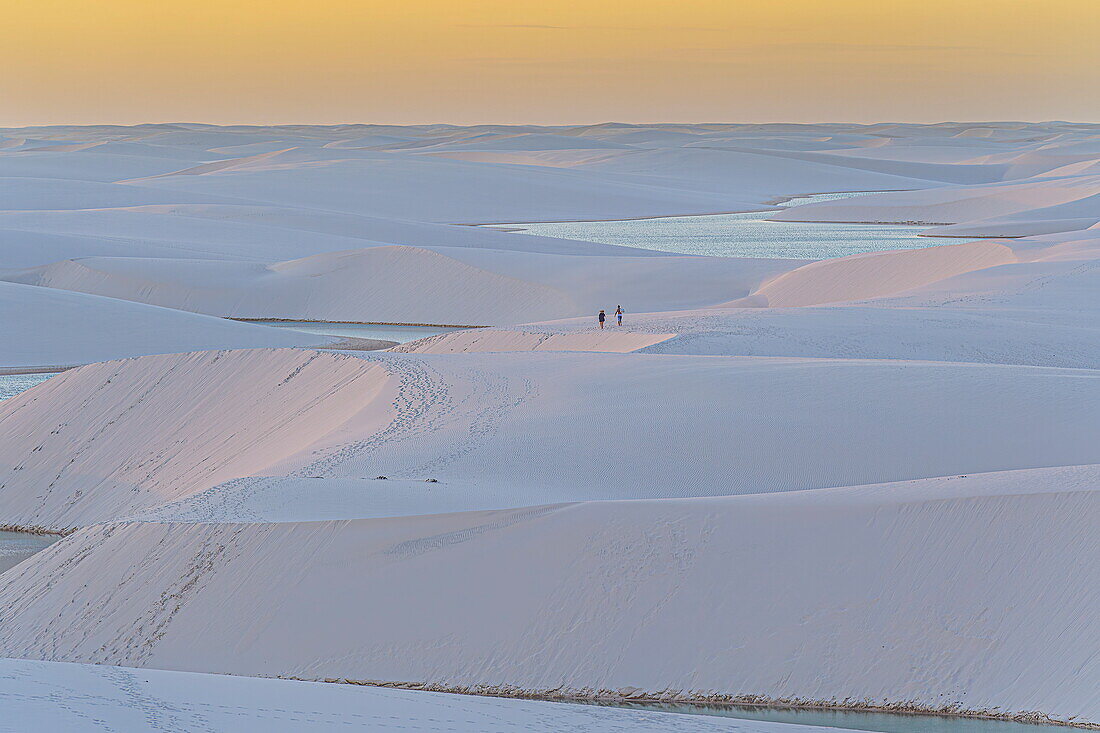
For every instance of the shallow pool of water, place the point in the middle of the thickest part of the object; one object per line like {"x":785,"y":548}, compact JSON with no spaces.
{"x":13,"y":384}
{"x":849,"y":720}
{"x":743,"y":235}
{"x":15,"y":547}
{"x":400,"y":334}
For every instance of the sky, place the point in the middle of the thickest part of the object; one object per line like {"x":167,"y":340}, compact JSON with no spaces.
{"x":547,"y":61}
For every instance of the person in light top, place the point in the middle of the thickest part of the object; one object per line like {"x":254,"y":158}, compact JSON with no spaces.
{"x":619,"y":314}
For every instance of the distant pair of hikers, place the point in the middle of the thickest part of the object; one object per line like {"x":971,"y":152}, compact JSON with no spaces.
{"x":618,"y":315}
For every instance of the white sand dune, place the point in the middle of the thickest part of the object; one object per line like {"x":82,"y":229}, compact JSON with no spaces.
{"x":47,"y":327}
{"x":867,"y":480}
{"x":874,"y":275}
{"x":527,"y":142}
{"x":229,"y":164}
{"x":969,"y":592}
{"x":499,"y":424}
{"x":497,"y":339}
{"x":922,"y":329}
{"x":80,"y":698}
{"x":51,"y":194}
{"x":429,"y":188}
{"x":152,"y":429}
{"x":1029,"y":200}
{"x":1012,"y":227}
{"x":272,"y":195}
{"x":297,"y":498}
{"x":248,"y":233}
{"x":418,"y":287}
{"x":1011,"y":302}
{"x":928,"y":173}
{"x":751,"y":173}
{"x":404,"y":284}
{"x":91,"y":162}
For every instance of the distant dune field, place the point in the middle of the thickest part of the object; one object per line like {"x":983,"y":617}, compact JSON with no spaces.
{"x":868,"y":481}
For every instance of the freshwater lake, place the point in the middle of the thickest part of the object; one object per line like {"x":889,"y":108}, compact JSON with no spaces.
{"x":743,"y":235}
{"x":18,"y":546}
{"x":13,"y":384}
{"x":15,"y":547}
{"x":400,"y":334}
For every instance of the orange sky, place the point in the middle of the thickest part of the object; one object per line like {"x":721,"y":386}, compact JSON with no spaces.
{"x":547,"y":61}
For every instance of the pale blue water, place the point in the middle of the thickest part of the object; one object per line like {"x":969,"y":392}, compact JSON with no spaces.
{"x":846,"y":720}
{"x":743,"y":235}
{"x":13,"y":384}
{"x":15,"y":547}
{"x":400,"y":334}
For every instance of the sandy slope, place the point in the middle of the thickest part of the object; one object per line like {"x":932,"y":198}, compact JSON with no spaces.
{"x":530,"y":339}
{"x":869,"y":478}
{"x":419,"y":286}
{"x":47,"y":327}
{"x":873,"y":275}
{"x":1054,"y":337}
{"x":405,"y":284}
{"x":972,"y":592}
{"x":270,"y":197}
{"x":250,"y":233}
{"x":1027,"y":301}
{"x":1055,"y":198}
{"x":156,"y":416}
{"x":83,"y":698}
{"x":434,"y":189}
{"x":498,"y":425}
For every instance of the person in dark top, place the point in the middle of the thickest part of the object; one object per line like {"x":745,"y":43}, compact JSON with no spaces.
{"x":619,"y":314}
{"x":602,"y":318}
